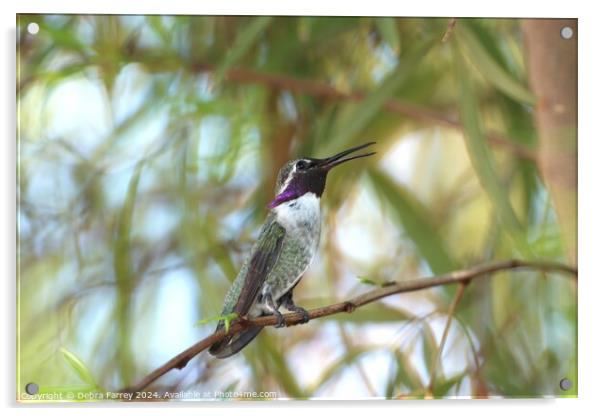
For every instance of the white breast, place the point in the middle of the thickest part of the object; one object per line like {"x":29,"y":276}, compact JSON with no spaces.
{"x":299,"y":215}
{"x":301,"y":220}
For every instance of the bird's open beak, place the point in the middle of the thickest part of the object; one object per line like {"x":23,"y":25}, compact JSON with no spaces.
{"x":339,"y":158}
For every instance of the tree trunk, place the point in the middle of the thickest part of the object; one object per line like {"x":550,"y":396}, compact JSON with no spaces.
{"x":552,"y":62}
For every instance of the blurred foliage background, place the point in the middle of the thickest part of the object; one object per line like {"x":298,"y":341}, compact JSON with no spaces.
{"x":148,"y":149}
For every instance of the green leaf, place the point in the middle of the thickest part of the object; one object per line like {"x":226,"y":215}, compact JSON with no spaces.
{"x":339,"y":365}
{"x":78,"y":366}
{"x":430,"y":349}
{"x":155,"y":22}
{"x":480,"y":154}
{"x":226,"y":318}
{"x":276,"y":363}
{"x":442,"y":387}
{"x":403,"y":373}
{"x":407,"y":372}
{"x":387,"y":27}
{"x":322,"y":33}
{"x":62,"y":38}
{"x":124,"y":276}
{"x":414,"y":219}
{"x":371,"y":105}
{"x":367,"y":281}
{"x":243,"y":42}
{"x":519,"y":125}
{"x":489,"y":67}
{"x":121,"y":251}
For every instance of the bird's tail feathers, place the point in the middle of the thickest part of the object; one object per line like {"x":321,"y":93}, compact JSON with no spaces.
{"x":233,"y":344}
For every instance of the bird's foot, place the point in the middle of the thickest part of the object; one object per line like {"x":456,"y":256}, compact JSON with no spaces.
{"x":279,"y":319}
{"x":289,"y":304}
{"x":273,"y":308}
{"x":303,"y":312}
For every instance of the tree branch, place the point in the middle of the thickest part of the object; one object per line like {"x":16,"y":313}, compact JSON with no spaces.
{"x":321,"y":89}
{"x":318,"y":89}
{"x":388,"y":289}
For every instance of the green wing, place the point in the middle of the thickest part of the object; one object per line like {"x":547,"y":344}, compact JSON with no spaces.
{"x":263,"y":258}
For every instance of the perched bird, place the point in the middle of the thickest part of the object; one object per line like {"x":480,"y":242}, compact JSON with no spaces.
{"x":287,"y":242}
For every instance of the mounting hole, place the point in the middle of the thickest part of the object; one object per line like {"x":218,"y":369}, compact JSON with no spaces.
{"x":32,"y":388}
{"x":565,"y":384}
{"x":33,"y":28}
{"x":566,"y":32}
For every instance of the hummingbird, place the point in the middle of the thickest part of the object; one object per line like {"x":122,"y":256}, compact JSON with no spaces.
{"x":287,"y":243}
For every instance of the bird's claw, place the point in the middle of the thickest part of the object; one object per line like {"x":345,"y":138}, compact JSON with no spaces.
{"x":279,"y":320}
{"x":302,"y":311}
{"x":305,"y":315}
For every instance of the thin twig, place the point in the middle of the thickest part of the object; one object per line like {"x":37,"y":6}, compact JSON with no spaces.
{"x":466,"y":275}
{"x":480,"y":390}
{"x":450,"y":29}
{"x":450,"y":314}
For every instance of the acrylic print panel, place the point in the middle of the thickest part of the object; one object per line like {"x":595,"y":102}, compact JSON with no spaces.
{"x":149,"y":151}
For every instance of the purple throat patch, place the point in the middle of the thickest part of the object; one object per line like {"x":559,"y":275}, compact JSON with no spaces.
{"x":282,"y":197}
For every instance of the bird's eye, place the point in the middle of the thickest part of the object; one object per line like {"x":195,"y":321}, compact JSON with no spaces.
{"x":302,"y":164}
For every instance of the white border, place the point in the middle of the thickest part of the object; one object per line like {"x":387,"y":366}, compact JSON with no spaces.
{"x":590,"y":207}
